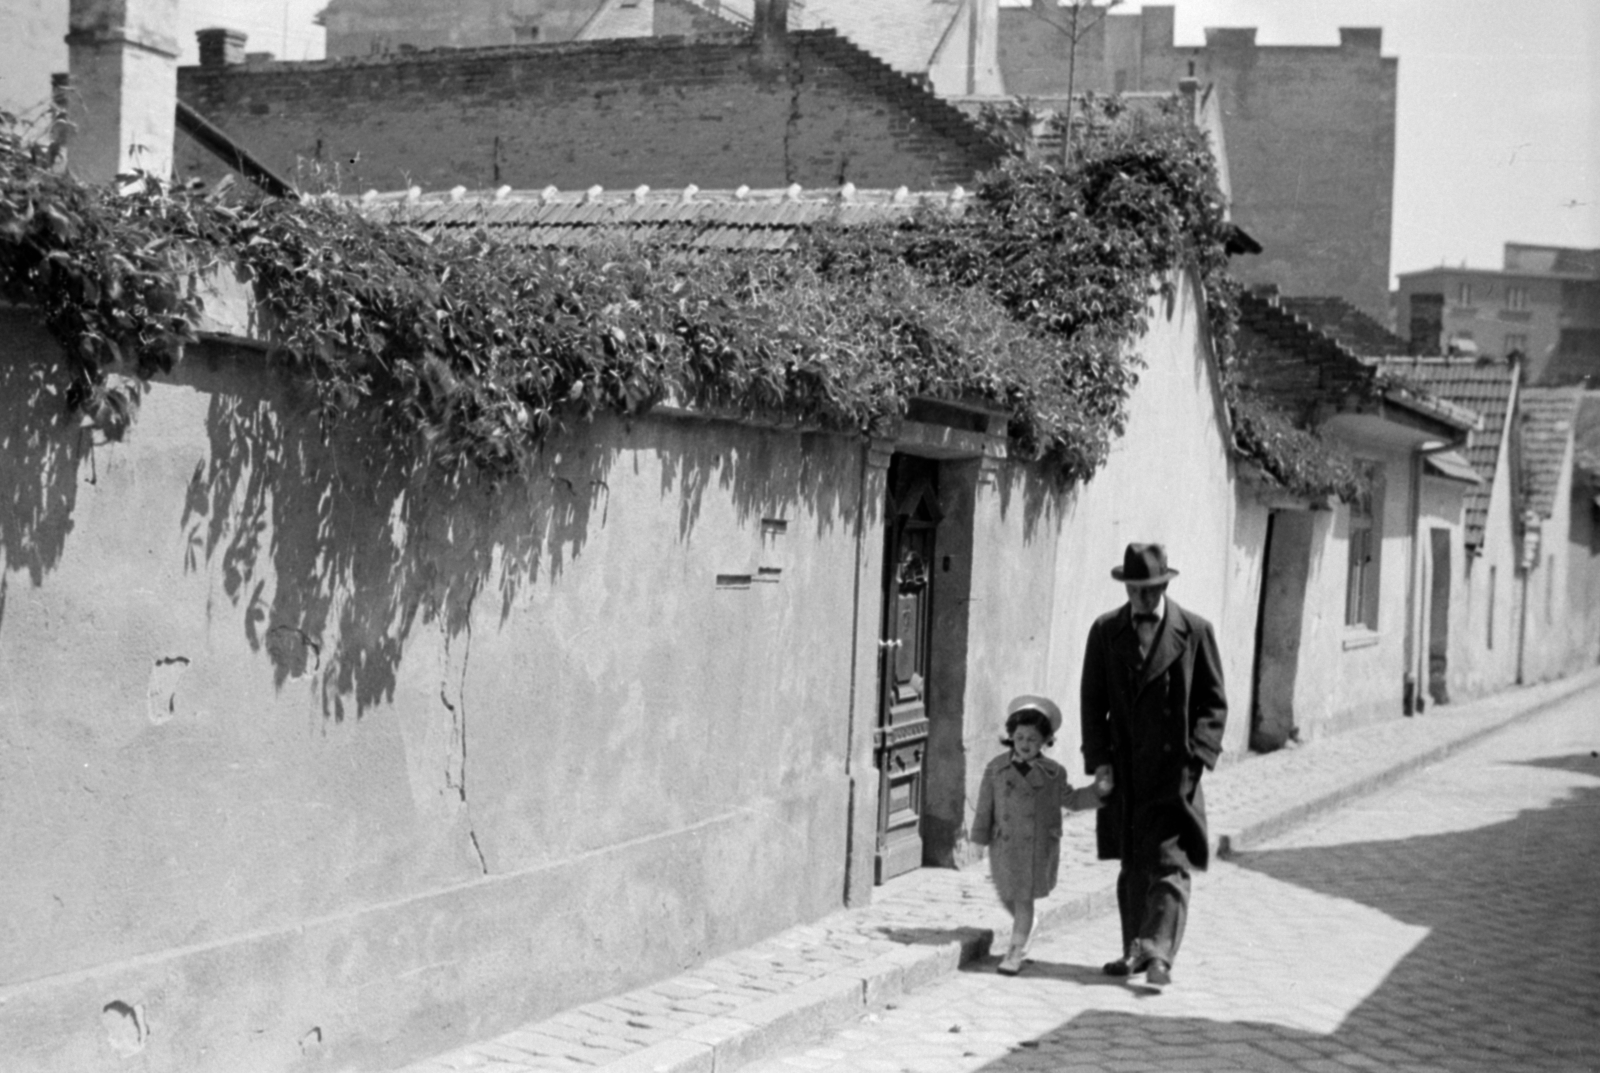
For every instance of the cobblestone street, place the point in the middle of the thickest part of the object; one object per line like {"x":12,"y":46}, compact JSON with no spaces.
{"x":1451,"y":923}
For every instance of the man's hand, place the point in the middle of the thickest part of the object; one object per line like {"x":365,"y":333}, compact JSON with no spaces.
{"x":1103,"y":781}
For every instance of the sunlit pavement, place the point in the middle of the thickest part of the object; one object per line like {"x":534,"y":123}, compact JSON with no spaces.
{"x":1451,"y":923}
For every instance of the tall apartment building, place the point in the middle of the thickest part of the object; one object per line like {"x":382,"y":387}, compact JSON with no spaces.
{"x":1544,"y":302}
{"x":1310,"y":129}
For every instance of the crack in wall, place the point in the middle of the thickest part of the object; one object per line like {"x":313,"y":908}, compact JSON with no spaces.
{"x":455,"y":772}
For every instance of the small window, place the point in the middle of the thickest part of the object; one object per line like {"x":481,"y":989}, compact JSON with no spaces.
{"x":1516,"y":342}
{"x":1516,"y":298}
{"x":1464,"y":294}
{"x":525,"y":33}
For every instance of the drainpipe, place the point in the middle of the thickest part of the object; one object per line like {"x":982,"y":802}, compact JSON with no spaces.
{"x":1532,"y":531}
{"x":1411,"y":692}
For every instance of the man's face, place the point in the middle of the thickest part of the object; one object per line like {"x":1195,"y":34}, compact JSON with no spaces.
{"x":1145,"y":598}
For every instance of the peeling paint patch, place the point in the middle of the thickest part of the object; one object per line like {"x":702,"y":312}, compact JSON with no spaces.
{"x":126,"y":1030}
{"x":161,"y":692}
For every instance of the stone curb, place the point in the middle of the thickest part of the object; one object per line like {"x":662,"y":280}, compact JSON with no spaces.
{"x":813,"y":1009}
{"x":808,"y":1011}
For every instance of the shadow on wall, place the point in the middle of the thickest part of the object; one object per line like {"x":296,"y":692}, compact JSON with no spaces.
{"x":338,"y":548}
{"x":1502,"y":978}
{"x":40,"y":452}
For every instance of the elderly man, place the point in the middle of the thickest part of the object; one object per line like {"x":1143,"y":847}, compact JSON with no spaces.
{"x":1153,"y":710}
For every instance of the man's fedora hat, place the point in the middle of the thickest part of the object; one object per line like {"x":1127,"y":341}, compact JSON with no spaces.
{"x":1144,"y":564}
{"x":1032,"y":702}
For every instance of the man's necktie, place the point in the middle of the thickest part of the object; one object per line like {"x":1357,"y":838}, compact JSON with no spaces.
{"x":1146,"y":627}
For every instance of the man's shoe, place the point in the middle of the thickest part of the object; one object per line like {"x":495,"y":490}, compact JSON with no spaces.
{"x":1159,"y":974}
{"x":1129,"y":964}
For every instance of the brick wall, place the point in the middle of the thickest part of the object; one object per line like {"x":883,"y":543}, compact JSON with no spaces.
{"x":1310,"y":134}
{"x":657,"y":111}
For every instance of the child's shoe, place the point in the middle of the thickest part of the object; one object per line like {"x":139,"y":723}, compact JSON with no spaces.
{"x":1011,"y":964}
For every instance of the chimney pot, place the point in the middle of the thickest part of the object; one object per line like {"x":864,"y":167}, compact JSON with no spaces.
{"x":221,"y":47}
{"x":770,"y":25}
{"x":1426,"y":328}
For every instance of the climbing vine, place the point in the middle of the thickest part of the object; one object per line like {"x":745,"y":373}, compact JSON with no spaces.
{"x":472,"y":349}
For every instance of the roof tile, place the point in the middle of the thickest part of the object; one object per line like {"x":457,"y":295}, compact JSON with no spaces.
{"x":1548,"y":421}
{"x":1484,"y":386}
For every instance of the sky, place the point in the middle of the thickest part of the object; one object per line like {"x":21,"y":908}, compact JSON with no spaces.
{"x":1497,"y":132}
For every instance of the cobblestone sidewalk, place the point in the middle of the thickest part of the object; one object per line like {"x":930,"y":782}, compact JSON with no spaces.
{"x":792,"y":987}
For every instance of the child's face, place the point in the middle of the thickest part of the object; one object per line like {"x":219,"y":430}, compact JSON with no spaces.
{"x":1026,"y":741}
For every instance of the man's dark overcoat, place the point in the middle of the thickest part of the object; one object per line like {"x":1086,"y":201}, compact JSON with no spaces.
{"x":1156,"y":722}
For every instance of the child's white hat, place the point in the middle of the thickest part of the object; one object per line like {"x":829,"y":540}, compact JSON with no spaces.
{"x":1033,"y":702}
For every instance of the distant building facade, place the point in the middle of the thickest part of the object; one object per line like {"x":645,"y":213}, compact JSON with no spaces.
{"x":1311,"y":131}
{"x":951,"y":44}
{"x":1544,"y":303}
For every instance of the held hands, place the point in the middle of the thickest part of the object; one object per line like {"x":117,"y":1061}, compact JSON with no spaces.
{"x":1103,"y":780}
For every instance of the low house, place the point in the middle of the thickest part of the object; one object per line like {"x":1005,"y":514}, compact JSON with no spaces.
{"x":1343,"y":639}
{"x":1558,"y":632}
{"x":1480,"y":608}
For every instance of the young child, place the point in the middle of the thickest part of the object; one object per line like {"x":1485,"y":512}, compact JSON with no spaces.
{"x":1020,"y":803}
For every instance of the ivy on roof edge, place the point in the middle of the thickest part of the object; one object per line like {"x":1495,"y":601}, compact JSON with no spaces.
{"x":472,"y":350}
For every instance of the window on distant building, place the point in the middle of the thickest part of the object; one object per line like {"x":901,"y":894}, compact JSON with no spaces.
{"x":1517,"y":298}
{"x":1464,"y":294}
{"x":526,"y":34}
{"x":1516,"y":342}
{"x":1366,"y":543}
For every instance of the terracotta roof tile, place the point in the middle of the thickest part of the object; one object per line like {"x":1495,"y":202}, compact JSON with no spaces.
{"x":1549,"y":418}
{"x":1587,"y":448}
{"x":1484,"y":386}
{"x":700,"y":220}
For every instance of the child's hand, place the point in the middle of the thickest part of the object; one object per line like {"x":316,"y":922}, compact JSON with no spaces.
{"x":1103,"y":781}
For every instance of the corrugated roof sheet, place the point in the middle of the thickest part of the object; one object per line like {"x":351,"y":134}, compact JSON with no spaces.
{"x":1486,"y":387}
{"x":688,"y":219}
{"x":1549,"y":419}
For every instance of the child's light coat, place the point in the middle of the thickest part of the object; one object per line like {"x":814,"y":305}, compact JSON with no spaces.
{"x":1019,"y":819}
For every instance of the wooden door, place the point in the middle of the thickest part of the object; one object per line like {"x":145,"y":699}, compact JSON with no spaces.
{"x":902,"y":733}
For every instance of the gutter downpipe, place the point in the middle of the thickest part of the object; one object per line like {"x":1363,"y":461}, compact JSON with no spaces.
{"x":1411,"y":695}
{"x":1532,"y":532}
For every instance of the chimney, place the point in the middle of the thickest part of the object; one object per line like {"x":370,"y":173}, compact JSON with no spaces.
{"x":770,"y":24}
{"x":1426,"y":329}
{"x":122,"y":87}
{"x":221,"y":47}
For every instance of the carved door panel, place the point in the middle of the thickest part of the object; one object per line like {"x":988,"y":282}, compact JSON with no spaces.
{"x":902,"y":733}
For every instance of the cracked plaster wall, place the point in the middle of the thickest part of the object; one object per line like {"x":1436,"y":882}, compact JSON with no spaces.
{"x":298,"y":774}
